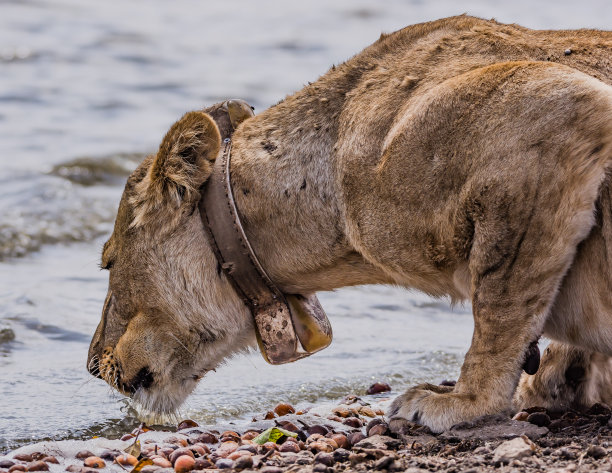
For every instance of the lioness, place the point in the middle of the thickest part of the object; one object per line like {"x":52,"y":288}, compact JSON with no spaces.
{"x":461,"y":157}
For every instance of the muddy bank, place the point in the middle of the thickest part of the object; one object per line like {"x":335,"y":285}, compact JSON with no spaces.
{"x":350,"y":436}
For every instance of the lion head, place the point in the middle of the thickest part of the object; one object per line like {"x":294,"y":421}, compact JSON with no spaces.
{"x":170,"y":314}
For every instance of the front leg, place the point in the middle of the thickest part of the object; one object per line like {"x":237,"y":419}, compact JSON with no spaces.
{"x":517,"y":260}
{"x":488,"y":378}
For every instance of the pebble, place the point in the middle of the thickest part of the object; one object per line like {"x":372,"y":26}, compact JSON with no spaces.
{"x":291,"y":447}
{"x":24,"y":457}
{"x":283,"y":409}
{"x":126,"y":459}
{"x":226,"y":448}
{"x":514,"y":449}
{"x":243,"y":462}
{"x":94,"y":462}
{"x":17,"y":468}
{"x":378,"y":388}
{"x":83,"y":454}
{"x":249,"y":448}
{"x":150,"y":469}
{"x":184,"y":463}
{"x":355,"y":437}
{"x":540,"y":419}
{"x":186,"y":424}
{"x":319,"y":468}
{"x":51,"y":459}
{"x":341,"y":440}
{"x":207,"y":437}
{"x":127,"y":437}
{"x":567,"y":52}
{"x":269,"y":415}
{"x":224,"y":463}
{"x":202,"y":464}
{"x":317,"y":429}
{"x":341,"y":455}
{"x":596,"y":452}
{"x":353,"y":422}
{"x":271,"y":469}
{"x":38,"y":466}
{"x":384,"y":463}
{"x":6,"y":463}
{"x":110,"y":454}
{"x":162,"y":462}
{"x":179,"y":452}
{"x":326,"y":458}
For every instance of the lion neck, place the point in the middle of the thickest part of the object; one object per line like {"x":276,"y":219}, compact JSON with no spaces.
{"x":287,"y":195}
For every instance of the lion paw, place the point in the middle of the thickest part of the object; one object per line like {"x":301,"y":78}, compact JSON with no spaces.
{"x":437,"y":407}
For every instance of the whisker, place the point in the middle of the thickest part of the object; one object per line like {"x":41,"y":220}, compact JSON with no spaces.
{"x":180,"y":343}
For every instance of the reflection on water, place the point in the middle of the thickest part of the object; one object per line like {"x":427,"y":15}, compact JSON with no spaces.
{"x":85,"y":91}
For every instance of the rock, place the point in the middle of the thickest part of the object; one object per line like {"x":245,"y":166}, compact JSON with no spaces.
{"x":127,"y":437}
{"x":51,"y":459}
{"x":83,"y":454}
{"x":378,"y":388}
{"x":356,"y":458}
{"x":384,"y":463}
{"x":317,"y":429}
{"x":184,"y":463}
{"x":355,"y":438}
{"x":353,"y":422}
{"x":94,"y":462}
{"x":209,"y":438}
{"x":341,"y":455}
{"x":126,"y":459}
{"x":24,"y":457}
{"x":319,"y":468}
{"x":367,"y":411}
{"x":226,"y":448}
{"x":492,"y":427}
{"x":283,"y":409}
{"x":289,"y":447}
{"x":522,"y":416}
{"x":271,"y":469}
{"x":38,"y":466}
{"x":162,"y":462}
{"x":326,"y":459}
{"x":378,"y":442}
{"x":186,"y":424}
{"x":18,"y":468}
{"x":514,"y":449}
{"x":596,"y":452}
{"x":224,"y":463}
{"x":110,"y":454}
{"x":202,"y":464}
{"x":179,"y":452}
{"x":269,"y":415}
{"x":540,"y":419}
{"x":341,"y":440}
{"x":6,"y":463}
{"x":379,"y":429}
{"x":150,"y":469}
{"x":245,"y":461}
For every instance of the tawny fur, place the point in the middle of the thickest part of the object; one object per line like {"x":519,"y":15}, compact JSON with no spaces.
{"x":461,"y":157}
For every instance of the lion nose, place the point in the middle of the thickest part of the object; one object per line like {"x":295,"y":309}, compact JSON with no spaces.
{"x":143,"y":379}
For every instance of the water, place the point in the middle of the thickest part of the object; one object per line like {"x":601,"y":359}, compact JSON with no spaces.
{"x":86,"y":88}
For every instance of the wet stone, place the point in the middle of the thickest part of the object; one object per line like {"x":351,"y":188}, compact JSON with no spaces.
{"x":595,"y":451}
{"x":341,"y":455}
{"x":271,"y":469}
{"x":320,"y":468}
{"x":384,"y":463}
{"x":17,"y":468}
{"x":6,"y":463}
{"x":326,"y":459}
{"x":224,"y":463}
{"x":38,"y":466}
{"x":83,"y":454}
{"x":540,"y":419}
{"x":245,"y":461}
{"x":377,"y":388}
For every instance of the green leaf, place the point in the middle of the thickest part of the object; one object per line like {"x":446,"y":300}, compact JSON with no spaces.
{"x":273,"y":434}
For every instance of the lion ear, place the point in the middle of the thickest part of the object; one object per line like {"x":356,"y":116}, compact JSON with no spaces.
{"x":186,"y":157}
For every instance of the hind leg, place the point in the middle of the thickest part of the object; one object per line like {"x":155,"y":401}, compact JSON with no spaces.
{"x":568,"y":378}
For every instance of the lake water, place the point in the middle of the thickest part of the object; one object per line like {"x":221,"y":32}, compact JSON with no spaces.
{"x":86,"y":88}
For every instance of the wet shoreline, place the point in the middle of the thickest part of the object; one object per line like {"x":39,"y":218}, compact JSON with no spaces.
{"x":348,"y":436}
